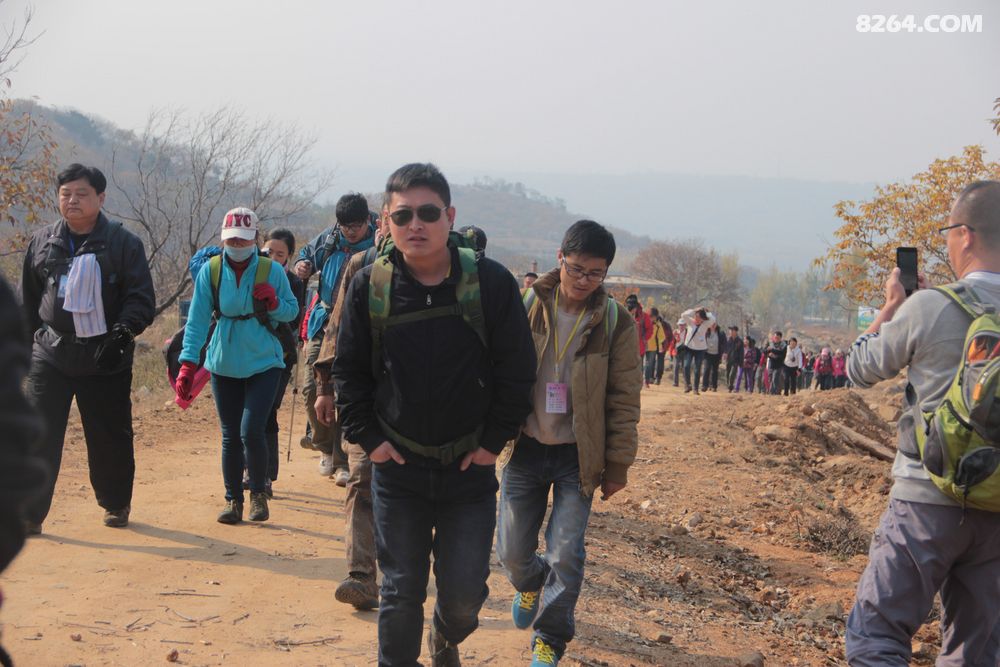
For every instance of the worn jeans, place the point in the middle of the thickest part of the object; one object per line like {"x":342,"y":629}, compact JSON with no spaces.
{"x":419,"y":511}
{"x":693,"y":358}
{"x":711,"y":375}
{"x":533,"y":469}
{"x":679,"y":361}
{"x":649,"y":366}
{"x":775,"y":378}
{"x":326,"y":439}
{"x":271,"y":430}
{"x":244,"y":405}
{"x":359,"y":538}
{"x":105,"y":406}
{"x":919,"y":550}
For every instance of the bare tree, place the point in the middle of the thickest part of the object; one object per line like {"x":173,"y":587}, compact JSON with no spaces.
{"x":182,"y":173}
{"x":700,"y":277}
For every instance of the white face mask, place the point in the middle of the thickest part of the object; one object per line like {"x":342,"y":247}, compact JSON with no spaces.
{"x":240,"y":254}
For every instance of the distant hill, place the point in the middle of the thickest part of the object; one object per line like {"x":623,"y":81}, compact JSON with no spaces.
{"x":522,"y":225}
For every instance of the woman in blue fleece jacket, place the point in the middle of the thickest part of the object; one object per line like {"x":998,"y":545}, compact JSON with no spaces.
{"x":244,"y":357}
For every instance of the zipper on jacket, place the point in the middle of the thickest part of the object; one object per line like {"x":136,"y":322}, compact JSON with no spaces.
{"x":428,"y":298}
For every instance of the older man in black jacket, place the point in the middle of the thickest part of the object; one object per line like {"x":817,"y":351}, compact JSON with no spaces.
{"x":85,"y":350}
{"x":433,"y":373}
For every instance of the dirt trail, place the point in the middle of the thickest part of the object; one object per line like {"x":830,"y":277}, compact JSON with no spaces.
{"x":663,"y":587}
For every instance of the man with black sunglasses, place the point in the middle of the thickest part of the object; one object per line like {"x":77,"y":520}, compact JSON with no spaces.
{"x":433,"y":373}
{"x":327,"y":255}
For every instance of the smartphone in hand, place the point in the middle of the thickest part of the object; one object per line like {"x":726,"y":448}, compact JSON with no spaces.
{"x":906,"y":260}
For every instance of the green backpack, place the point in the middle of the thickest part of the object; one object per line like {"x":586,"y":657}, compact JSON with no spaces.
{"x":468,"y":305}
{"x":960,"y":443}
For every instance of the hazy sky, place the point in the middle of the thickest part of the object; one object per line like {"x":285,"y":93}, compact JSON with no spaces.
{"x":786,"y":89}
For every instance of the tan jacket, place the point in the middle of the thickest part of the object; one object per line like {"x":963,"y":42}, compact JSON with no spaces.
{"x":605,"y":385}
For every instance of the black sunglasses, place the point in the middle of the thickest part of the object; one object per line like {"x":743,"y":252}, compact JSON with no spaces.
{"x":426,"y":213}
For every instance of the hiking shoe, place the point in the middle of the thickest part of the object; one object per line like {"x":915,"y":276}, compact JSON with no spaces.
{"x":341,"y":477}
{"x":442,"y":652}
{"x":687,"y":390}
{"x":524,"y":609}
{"x":32,"y":528}
{"x":117,"y":518}
{"x":233,"y":512}
{"x":306,"y":442}
{"x":543,"y":655}
{"x":258,"y":507}
{"x":326,"y":464}
{"x":359,"y":591}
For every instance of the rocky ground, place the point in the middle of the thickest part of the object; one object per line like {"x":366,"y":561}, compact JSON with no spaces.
{"x":738,"y":541}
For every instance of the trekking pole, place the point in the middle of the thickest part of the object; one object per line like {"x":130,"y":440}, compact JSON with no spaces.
{"x":295,"y":400}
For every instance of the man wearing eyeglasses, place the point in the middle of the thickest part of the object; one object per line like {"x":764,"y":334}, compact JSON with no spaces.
{"x":927,"y":542}
{"x":327,"y":255}
{"x":433,"y":374}
{"x":581,"y":436}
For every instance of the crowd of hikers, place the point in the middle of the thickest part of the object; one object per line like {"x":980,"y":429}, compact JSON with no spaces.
{"x":436,"y":382}
{"x":697,"y":347}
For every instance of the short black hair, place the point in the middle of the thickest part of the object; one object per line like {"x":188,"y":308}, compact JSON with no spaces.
{"x":352,"y":207}
{"x":76,"y":171}
{"x":530,"y":274}
{"x":418,"y":175}
{"x":654,"y":312}
{"x":284,"y":235}
{"x":586,"y":237}
{"x":793,"y":338}
{"x":978,"y":206}
{"x":702,"y":313}
{"x":777,"y":333}
{"x":734,"y":328}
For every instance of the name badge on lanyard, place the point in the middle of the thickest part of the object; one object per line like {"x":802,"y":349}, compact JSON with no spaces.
{"x":557,"y":393}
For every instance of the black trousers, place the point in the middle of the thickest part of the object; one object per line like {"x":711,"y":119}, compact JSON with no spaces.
{"x":105,"y":404}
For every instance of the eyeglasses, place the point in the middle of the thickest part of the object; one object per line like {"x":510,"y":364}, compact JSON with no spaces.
{"x":575,"y":272}
{"x":354,"y":225}
{"x":426,"y":213}
{"x":944,"y":230}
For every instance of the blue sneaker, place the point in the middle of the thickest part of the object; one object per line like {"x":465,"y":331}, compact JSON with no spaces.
{"x":543,"y":655}
{"x":524,"y":609}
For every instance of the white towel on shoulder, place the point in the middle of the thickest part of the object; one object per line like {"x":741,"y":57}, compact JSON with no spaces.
{"x":83,"y":296}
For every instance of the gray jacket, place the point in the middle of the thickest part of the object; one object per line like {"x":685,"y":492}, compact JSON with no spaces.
{"x":926,"y":337}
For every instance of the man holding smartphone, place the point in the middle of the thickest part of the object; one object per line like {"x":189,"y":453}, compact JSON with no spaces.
{"x":927,"y":542}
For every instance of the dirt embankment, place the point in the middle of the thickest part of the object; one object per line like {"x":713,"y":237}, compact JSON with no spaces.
{"x":740,"y":538}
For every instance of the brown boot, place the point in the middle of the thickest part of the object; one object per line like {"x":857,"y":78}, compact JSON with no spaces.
{"x":442,"y":652}
{"x":359,"y":591}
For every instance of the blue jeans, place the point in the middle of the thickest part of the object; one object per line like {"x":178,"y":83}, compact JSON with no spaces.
{"x":649,"y":366}
{"x":524,"y":492}
{"x":695,"y":357}
{"x":244,"y":404}
{"x":422,"y":510}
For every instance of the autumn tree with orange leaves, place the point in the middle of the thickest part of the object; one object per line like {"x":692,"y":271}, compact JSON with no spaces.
{"x":27,"y":152}
{"x":902,"y":214}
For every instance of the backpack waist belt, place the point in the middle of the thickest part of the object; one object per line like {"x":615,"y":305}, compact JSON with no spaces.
{"x":445,"y":453}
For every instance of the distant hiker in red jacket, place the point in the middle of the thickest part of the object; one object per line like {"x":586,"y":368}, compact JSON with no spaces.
{"x":642,"y":321}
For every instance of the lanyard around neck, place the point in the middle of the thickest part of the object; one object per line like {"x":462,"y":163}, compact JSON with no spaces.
{"x":560,"y":354}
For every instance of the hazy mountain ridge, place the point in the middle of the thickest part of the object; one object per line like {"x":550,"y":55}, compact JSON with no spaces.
{"x":767,"y":221}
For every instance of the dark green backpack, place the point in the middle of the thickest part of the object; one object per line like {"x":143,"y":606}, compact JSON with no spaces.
{"x":960,"y":443}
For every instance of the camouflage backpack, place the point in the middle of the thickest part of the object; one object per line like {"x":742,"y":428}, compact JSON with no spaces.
{"x":959,"y":445}
{"x":468,"y":305}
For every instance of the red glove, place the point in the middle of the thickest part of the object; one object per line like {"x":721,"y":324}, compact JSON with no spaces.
{"x":182,"y":385}
{"x":265,"y":292}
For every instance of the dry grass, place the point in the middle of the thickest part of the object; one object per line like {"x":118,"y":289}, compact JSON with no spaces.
{"x":841,"y":537}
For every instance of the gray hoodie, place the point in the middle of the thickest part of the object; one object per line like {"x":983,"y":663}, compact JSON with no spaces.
{"x":926,"y":336}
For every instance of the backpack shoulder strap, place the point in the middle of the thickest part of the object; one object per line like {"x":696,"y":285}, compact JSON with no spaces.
{"x":528,"y":298}
{"x":379,"y":289}
{"x":263,"y":270}
{"x":610,"y":320}
{"x":215,"y":273}
{"x":966,"y":299}
{"x":469,"y":295}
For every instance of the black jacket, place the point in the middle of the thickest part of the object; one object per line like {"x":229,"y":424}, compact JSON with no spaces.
{"x":776,"y":354}
{"x":127,"y":292}
{"x":21,"y":476}
{"x":734,"y":351}
{"x":439,"y":382}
